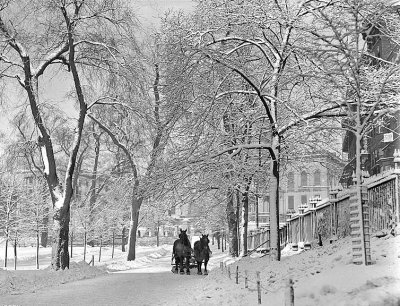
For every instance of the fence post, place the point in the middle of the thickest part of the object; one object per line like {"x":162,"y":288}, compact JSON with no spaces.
{"x":246,"y":285}
{"x":229,"y":272}
{"x":92,"y":261}
{"x":289,"y":293}
{"x":258,"y":287}
{"x":221,"y":265}
{"x":237,"y":274}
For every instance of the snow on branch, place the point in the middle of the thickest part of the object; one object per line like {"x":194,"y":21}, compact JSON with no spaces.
{"x":50,"y":58}
{"x":118,"y":144}
{"x":244,"y":92}
{"x":238,"y":148}
{"x":248,"y":42}
{"x":100,"y":101}
{"x":321,"y":113}
{"x":110,"y":49}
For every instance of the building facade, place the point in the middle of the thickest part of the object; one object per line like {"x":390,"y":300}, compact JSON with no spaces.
{"x":306,"y":178}
{"x":384,"y":136}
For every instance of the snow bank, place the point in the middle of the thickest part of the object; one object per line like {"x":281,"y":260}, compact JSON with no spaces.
{"x":17,"y":282}
{"x":322,"y":276}
{"x":119,"y":263}
{"x":28,"y":279}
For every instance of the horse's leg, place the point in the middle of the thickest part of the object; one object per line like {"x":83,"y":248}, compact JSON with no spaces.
{"x":188,"y":265}
{"x":198,"y":267}
{"x":176,"y":264}
{"x":205,"y":266}
{"x":181,"y":260}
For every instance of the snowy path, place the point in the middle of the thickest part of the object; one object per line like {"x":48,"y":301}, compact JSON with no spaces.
{"x":150,"y":283}
{"x":142,"y":289}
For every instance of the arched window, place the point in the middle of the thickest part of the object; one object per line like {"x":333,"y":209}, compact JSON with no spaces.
{"x":304,"y":178}
{"x":317,"y":178}
{"x":291,"y":181}
{"x":290,"y":202}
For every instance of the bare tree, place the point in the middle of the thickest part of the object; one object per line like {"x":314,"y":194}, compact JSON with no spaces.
{"x":63,"y":39}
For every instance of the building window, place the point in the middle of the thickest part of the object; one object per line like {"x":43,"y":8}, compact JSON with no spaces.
{"x":265,"y":204}
{"x":304,"y":199}
{"x":290,"y":202}
{"x":317,"y":178}
{"x":304,"y":178}
{"x":291,"y":180}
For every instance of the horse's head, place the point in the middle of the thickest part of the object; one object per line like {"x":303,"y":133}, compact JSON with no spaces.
{"x":204,"y":240}
{"x":184,"y":238}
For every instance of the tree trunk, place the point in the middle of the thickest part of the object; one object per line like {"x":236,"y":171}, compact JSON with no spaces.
{"x":274,"y":204}
{"x":60,"y":236}
{"x":37,"y":248}
{"x":5,"y":252}
{"x":101,"y":245}
{"x":84,"y":244}
{"x":136,"y":203}
{"x":158,"y":233}
{"x":232,"y":224}
{"x":238,"y":214}
{"x":244,"y":223}
{"x":72,"y":243}
{"x":44,"y":235}
{"x":256,"y":208}
{"x":113,"y":244}
{"x":123,"y":240}
{"x":15,"y":253}
{"x":93,"y":193}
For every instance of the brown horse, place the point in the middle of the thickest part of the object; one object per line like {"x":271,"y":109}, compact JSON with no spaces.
{"x":202,"y":253}
{"x":182,"y":250}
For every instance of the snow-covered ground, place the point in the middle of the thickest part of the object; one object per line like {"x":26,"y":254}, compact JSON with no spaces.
{"x":322,"y":276}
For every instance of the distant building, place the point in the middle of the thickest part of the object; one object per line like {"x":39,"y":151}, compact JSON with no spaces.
{"x":384,"y":137}
{"x":307,"y":177}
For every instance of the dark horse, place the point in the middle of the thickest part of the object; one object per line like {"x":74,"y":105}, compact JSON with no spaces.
{"x":182,"y":250}
{"x":202,"y":253}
